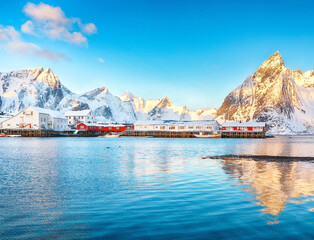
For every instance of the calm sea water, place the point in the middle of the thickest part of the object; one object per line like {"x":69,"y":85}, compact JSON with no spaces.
{"x":141,"y":188}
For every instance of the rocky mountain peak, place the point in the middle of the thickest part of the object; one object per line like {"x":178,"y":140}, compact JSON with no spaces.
{"x":165,"y":102}
{"x":36,"y":71}
{"x":272,"y":66}
{"x":127,"y":96}
{"x":104,"y":89}
{"x":275,"y":94}
{"x":299,"y":71}
{"x":50,"y":78}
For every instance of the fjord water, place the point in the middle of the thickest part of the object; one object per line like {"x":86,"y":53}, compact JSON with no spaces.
{"x":146,"y":188}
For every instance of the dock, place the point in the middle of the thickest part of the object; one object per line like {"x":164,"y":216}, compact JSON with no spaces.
{"x":129,"y":133}
{"x":243,"y":134}
{"x":47,"y":133}
{"x":190,"y":134}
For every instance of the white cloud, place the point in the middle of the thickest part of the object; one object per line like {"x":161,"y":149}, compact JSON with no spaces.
{"x":11,"y":40}
{"x":28,"y":27}
{"x":100,"y":60}
{"x":21,"y":47}
{"x":7,"y":33}
{"x":89,"y":28}
{"x":75,"y":37}
{"x":52,"y":22}
{"x":45,"y":13}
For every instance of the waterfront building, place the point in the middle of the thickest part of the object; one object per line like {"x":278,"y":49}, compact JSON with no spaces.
{"x":178,"y":126}
{"x":36,"y":118}
{"x":103,"y":127}
{"x":244,"y":126}
{"x":83,"y":116}
{"x":2,"y":119}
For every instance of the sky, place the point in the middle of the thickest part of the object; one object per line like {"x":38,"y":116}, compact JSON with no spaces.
{"x":195,"y":52}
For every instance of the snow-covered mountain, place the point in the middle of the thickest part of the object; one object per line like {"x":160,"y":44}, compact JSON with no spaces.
{"x":164,"y":109}
{"x":280,"y":96}
{"x":140,"y":105}
{"x":42,"y":88}
{"x":107,"y":106}
{"x":36,"y":87}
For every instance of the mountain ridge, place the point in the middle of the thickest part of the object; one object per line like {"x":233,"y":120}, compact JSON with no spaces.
{"x":280,"y":96}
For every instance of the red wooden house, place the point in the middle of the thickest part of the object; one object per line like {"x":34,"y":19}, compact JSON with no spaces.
{"x":103,"y":128}
{"x":244,"y":126}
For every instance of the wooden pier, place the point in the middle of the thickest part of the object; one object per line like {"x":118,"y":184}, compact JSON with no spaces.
{"x":243,"y":134}
{"x":47,"y":133}
{"x":190,"y":134}
{"x":29,"y":132}
{"x":130,"y":133}
{"x":158,"y":134}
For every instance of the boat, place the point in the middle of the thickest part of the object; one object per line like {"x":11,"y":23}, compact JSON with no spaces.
{"x":3,"y":135}
{"x":111,"y":135}
{"x":208,"y":135}
{"x":14,"y":136}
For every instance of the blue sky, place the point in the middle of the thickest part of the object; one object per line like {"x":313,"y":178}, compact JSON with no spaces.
{"x":194,"y":52}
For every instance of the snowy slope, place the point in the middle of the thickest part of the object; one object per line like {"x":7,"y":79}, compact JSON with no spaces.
{"x":164,"y":109}
{"x":140,"y":105}
{"x":36,"y":87}
{"x":108,"y":107}
{"x":42,"y":88}
{"x":280,"y":96}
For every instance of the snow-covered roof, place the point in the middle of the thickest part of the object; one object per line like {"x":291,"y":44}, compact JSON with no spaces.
{"x":2,"y":119}
{"x":55,"y":114}
{"x":172,"y":122}
{"x":77,"y":113}
{"x":90,"y":124}
{"x":102,"y":125}
{"x":243,"y":124}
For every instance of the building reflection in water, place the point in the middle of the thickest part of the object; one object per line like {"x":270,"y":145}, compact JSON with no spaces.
{"x":273,"y":184}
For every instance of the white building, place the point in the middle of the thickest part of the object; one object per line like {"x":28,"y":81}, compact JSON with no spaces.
{"x":76,"y":117}
{"x":3,"y":118}
{"x":36,"y":118}
{"x":183,"y":126}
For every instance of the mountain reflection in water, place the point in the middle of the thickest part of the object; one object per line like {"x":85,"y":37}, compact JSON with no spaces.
{"x":147,"y":188}
{"x":274,"y":184}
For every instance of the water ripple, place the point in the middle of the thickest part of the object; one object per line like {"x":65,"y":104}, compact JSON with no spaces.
{"x":129,"y":188}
